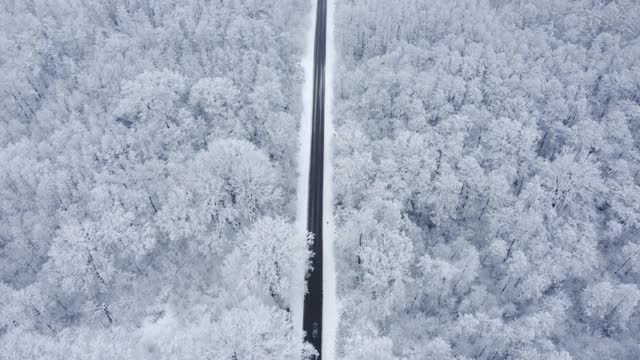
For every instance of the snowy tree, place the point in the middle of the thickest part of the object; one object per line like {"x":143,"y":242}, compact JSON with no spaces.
{"x":504,"y":132}
{"x":139,"y":144}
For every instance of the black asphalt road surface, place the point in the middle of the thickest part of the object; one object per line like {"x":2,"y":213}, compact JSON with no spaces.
{"x":312,"y":319}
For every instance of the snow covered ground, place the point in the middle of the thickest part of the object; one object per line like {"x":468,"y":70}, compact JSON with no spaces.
{"x":297,"y":292}
{"x":330,"y":305}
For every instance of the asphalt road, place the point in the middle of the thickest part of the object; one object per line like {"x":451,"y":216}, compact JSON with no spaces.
{"x":312,"y":318}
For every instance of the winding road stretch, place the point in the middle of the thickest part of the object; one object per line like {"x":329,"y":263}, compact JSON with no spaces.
{"x":312,"y":318}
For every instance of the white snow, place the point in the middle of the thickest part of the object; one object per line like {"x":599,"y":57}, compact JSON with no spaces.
{"x":304,"y":139}
{"x":330,"y":304}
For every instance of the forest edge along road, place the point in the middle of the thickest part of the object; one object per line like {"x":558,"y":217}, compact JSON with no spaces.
{"x":312,"y":317}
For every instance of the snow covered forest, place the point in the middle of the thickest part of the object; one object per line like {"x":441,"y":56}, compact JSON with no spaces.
{"x":147,"y":178}
{"x":486,"y":179}
{"x":485,"y":170}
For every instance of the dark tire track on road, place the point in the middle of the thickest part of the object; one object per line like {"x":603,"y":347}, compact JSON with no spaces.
{"x":312,"y":317}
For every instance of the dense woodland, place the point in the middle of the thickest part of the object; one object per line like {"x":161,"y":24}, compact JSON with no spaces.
{"x":487,"y":179}
{"x":147,"y":171}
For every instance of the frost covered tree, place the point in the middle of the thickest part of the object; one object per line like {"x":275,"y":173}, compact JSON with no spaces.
{"x":500,"y":141}
{"x":143,"y":145}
